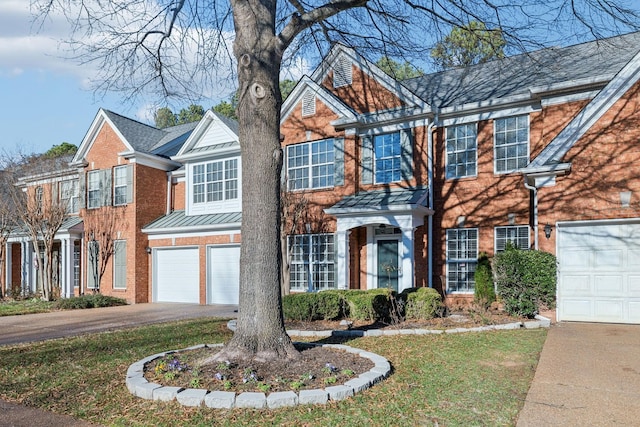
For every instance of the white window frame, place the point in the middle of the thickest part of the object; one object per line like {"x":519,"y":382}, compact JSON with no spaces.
{"x":120,"y":183}
{"x":518,"y":235}
{"x":453,"y":148}
{"x":310,"y":168}
{"x":120,"y":264}
{"x":462,"y":260}
{"x":394,"y":158}
{"x":312,"y":254}
{"x":521,"y":159}
{"x":215,"y":181}
{"x":93,"y":189}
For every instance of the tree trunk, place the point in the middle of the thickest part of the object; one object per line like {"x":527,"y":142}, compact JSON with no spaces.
{"x":260,"y":333}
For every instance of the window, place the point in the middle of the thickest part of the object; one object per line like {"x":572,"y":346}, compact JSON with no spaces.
{"x":462,"y":258}
{"x":511,"y":146}
{"x":38,"y":200}
{"x":311,"y":254}
{"x":94,"y":195}
{"x":342,"y":72}
{"x":461,"y":151}
{"x":517,"y":236}
{"x":215,"y":181}
{"x":120,"y":264}
{"x":308,"y":103}
{"x":69,"y":195}
{"x":120,"y":185}
{"x":311,"y":165}
{"x":388,"y":158}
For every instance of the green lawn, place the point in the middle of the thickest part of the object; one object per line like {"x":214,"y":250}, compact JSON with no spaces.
{"x":450,"y":379}
{"x":30,"y":306}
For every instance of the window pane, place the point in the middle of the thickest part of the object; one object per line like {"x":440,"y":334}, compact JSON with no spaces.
{"x":511,"y":133}
{"x":461,"y":150}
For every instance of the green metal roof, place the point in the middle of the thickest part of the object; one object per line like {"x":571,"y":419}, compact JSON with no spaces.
{"x":179,"y":219}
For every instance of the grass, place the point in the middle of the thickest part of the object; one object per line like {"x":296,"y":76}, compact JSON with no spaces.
{"x":36,"y":305}
{"x":449,"y":379}
{"x":28,"y":306}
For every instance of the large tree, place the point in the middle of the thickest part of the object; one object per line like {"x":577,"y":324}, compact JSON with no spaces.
{"x":469,"y":44}
{"x":180,"y":47}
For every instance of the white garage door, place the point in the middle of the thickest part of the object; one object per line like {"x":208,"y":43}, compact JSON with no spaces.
{"x":223,"y":274}
{"x":599,"y":272}
{"x":176,"y":275}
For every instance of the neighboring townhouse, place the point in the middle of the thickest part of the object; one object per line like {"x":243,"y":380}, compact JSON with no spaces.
{"x":387,"y":184}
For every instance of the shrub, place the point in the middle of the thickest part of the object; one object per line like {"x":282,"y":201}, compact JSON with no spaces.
{"x":89,"y":301}
{"x":526,"y":280}
{"x":372,"y":305}
{"x":301,"y":307}
{"x":330,"y":305}
{"x":484,"y":293}
{"x":423,"y":303}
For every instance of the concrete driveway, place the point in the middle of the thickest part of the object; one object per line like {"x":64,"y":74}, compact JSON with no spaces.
{"x":588,"y":375}
{"x":44,"y":326}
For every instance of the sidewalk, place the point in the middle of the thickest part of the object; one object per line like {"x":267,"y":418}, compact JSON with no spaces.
{"x":14,"y":415}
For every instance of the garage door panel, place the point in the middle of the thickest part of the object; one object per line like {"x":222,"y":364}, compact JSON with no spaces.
{"x":576,"y":259}
{"x":177,"y":275}
{"x":608,"y":286}
{"x":599,"y":272}
{"x":634,"y":312}
{"x":575,"y":284}
{"x":611,"y":259}
{"x":609,"y":310}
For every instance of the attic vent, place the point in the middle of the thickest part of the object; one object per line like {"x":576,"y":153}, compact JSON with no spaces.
{"x":342,"y":72}
{"x":308,"y":103}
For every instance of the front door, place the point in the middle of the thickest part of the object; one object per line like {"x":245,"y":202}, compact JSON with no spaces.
{"x":388,"y":266}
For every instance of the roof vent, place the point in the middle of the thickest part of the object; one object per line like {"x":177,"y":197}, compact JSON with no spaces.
{"x":342,"y":72}
{"x":308,"y":103}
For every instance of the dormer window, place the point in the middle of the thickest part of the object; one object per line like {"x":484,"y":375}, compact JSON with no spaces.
{"x":308,"y":104}
{"x":342,"y":72}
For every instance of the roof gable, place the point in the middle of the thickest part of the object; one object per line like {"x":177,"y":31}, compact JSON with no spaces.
{"x":322,"y":94}
{"x":213,"y":134}
{"x":335,"y":60}
{"x":555,"y":151}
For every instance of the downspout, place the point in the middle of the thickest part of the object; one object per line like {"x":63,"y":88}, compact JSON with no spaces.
{"x":430,"y":130}
{"x":535,"y":211}
{"x":168,"y":193}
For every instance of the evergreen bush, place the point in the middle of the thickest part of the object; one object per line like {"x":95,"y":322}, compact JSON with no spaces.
{"x":526,"y":280}
{"x":301,"y":307}
{"x":484,"y":293}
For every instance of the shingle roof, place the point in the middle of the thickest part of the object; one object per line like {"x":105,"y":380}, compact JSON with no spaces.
{"x":383,"y":199}
{"x":148,"y":139}
{"x":517,"y":74}
{"x":179,"y":219}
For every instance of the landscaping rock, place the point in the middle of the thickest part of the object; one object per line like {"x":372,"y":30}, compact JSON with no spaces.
{"x":283,"y":398}
{"x":251,"y":400}
{"x":313,"y":397}
{"x":191,"y":397}
{"x":339,"y":392}
{"x":358,"y":384}
{"x":166,"y":394}
{"x":220,"y":400}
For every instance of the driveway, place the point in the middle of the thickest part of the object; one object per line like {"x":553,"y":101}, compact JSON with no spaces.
{"x":59,"y":324}
{"x":588,"y":374}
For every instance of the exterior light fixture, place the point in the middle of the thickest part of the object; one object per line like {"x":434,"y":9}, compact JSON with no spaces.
{"x":547,"y":231}
{"x":148,"y":250}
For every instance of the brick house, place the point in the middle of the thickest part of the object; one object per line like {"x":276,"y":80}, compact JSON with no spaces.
{"x":404,"y":184}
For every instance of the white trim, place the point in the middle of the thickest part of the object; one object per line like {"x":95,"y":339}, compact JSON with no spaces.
{"x":490,"y":115}
{"x":322,"y":94}
{"x":150,"y":160}
{"x":596,"y":222}
{"x":446,"y":152}
{"x":198,"y":132}
{"x":199,"y":230}
{"x":91,"y":135}
{"x":495,"y":147}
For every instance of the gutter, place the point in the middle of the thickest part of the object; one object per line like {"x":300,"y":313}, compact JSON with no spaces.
{"x":432,"y":126}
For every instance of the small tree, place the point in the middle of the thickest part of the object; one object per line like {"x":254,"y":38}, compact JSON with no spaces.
{"x":397,"y":70}
{"x":101,"y":231}
{"x":7,"y":222}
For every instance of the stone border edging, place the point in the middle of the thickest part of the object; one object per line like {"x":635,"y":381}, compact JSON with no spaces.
{"x":140,"y":387}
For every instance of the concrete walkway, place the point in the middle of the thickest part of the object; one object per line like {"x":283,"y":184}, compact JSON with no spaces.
{"x":588,"y":375}
{"x":60,"y":324}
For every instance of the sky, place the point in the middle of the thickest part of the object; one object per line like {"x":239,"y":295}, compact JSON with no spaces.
{"x":46,"y":99}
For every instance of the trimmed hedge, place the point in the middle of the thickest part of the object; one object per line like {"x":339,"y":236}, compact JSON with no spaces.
{"x":526,"y":280}
{"x":423,"y":303}
{"x":371,"y":305}
{"x":89,"y":301}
